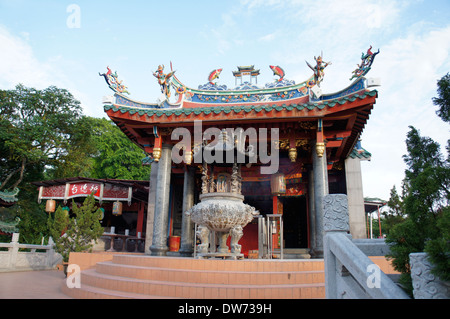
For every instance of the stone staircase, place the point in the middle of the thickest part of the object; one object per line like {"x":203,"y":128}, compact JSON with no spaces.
{"x":138,"y":276}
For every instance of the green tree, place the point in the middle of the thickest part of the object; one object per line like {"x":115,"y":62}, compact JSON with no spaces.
{"x":427,"y":178}
{"x":43,"y":135}
{"x":438,"y":249}
{"x":79,"y":154}
{"x":117,"y":157}
{"x":395,"y":213}
{"x":77,"y":233}
{"x":40,"y":130}
{"x":443,"y":98}
{"x":426,"y":200}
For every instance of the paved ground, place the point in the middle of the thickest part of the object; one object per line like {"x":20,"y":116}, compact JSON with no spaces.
{"x":32,"y":285}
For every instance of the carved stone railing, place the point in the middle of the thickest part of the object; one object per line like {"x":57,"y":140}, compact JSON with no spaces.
{"x":14,"y":260}
{"x":349,"y":273}
{"x":372,"y":247}
{"x":425,"y":284}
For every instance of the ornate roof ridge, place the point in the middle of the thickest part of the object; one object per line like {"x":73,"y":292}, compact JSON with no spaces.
{"x":246,"y":108}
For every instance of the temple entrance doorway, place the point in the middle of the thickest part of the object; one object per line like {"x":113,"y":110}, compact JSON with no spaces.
{"x":295,"y":217}
{"x":295,"y":221}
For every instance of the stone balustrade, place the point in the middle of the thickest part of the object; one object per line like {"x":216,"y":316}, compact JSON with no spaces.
{"x":349,"y":273}
{"x":15,"y":260}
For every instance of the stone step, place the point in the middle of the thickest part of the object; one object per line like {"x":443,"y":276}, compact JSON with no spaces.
{"x":171,"y":289}
{"x":246,"y":265}
{"x":211,"y":276}
{"x":90,"y":292}
{"x":296,"y":253}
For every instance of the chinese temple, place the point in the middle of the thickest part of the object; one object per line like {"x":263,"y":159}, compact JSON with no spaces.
{"x":299,"y":144}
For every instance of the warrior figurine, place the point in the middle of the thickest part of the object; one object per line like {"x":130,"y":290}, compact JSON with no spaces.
{"x":318,"y":69}
{"x":163,"y":80}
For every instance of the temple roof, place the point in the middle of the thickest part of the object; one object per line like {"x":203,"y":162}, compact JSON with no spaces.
{"x":282,"y":103}
{"x":362,"y":154}
{"x":9,"y":227}
{"x":345,"y":118}
{"x":318,"y":105}
{"x":373,"y":204}
{"x":8,"y":198}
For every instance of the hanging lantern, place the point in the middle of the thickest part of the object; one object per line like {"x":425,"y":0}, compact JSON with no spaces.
{"x":117,"y":208}
{"x":103,"y":213}
{"x":188,"y":158}
{"x":293,"y":154}
{"x":50,"y":206}
{"x":278,"y":184}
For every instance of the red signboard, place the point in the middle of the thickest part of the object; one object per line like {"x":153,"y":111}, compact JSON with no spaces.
{"x":116,"y":192}
{"x":84,"y":188}
{"x":101,"y":191}
{"x":54,"y":192}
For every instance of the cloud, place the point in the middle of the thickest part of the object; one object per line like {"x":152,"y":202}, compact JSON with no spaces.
{"x":409,"y":68}
{"x":268,"y":37}
{"x":413,"y":57}
{"x":18,"y":64}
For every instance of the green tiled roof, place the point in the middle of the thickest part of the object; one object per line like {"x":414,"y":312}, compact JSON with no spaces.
{"x":240,"y":108}
{"x":9,"y":197}
{"x":10,"y":227}
{"x":361,"y":154}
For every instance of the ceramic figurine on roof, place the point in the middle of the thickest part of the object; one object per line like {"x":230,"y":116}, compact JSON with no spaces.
{"x":282,"y":81}
{"x":214,"y":75}
{"x":246,"y":71}
{"x":318,"y":70}
{"x":163,"y":80}
{"x":248,"y":93}
{"x":113,"y":81}
{"x":277,"y":71}
{"x":366,"y":63}
{"x":213,"y":86}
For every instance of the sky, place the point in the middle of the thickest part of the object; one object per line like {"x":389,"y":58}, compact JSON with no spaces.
{"x":67,"y":43}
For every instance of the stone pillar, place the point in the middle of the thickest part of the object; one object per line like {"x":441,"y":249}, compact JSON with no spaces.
{"x":335,"y":220}
{"x":151,"y":208}
{"x":159,"y":245}
{"x":320,"y":172}
{"x":187,"y":230}
{"x":355,"y":198}
{"x":312,"y":211}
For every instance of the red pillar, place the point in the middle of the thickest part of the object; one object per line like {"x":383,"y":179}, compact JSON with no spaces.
{"x":275,"y":204}
{"x":275,"y":211}
{"x":140,"y":219}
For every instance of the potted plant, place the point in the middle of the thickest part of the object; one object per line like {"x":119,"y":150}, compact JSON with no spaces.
{"x":76,"y":233}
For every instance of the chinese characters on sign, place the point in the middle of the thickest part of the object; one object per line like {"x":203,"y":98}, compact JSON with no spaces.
{"x":101,"y":191}
{"x":84,"y":189}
